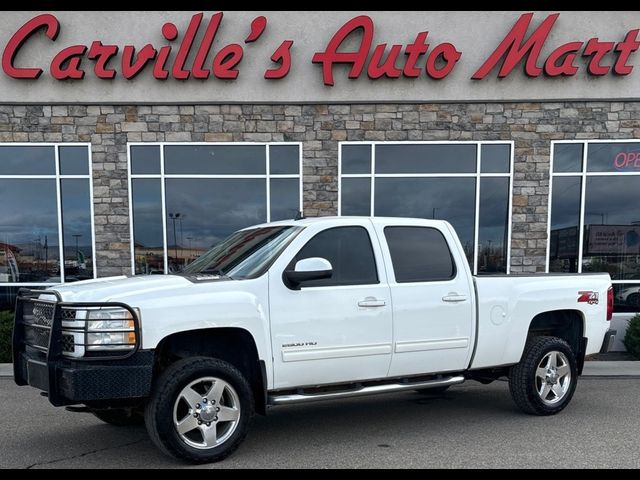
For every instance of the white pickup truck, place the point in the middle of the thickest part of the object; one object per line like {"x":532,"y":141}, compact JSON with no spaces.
{"x":301,"y":311}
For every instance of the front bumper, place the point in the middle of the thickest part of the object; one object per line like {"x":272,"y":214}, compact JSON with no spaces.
{"x":40,"y":360}
{"x":609,"y":339}
{"x":69,"y":382}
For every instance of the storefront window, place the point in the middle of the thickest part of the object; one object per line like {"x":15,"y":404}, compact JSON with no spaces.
{"x":41,"y":208}
{"x":146,"y":195}
{"x":7,"y":306}
{"x":187,"y":198}
{"x":451,"y":199}
{"x":466,"y":183}
{"x":600,"y":201}
{"x":565,"y":224}
{"x":45,"y":194}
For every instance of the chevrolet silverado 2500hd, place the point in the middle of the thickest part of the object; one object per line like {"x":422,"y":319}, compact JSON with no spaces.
{"x":301,"y":311}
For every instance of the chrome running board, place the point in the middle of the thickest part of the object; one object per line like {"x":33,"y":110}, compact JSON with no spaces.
{"x":292,"y":399}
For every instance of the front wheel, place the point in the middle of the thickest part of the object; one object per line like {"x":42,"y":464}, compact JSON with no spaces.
{"x":200,"y":410}
{"x":545,"y":380}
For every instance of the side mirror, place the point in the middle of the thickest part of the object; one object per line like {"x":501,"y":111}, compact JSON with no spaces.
{"x":307,"y":270}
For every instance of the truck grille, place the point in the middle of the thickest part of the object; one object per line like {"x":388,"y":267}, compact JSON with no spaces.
{"x":35,"y":337}
{"x":68,"y":343}
{"x":38,"y":319}
{"x":42,"y":314}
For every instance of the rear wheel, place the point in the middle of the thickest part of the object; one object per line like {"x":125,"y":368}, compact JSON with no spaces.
{"x":545,"y":380}
{"x":200,"y":410}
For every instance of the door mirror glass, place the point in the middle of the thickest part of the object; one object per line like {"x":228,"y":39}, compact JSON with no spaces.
{"x":307,"y":270}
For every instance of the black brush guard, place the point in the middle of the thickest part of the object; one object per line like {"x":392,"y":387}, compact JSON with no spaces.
{"x":41,"y":363}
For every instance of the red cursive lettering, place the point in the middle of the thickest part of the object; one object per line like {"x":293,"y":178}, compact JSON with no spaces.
{"x":514,"y":48}
{"x":205,"y":47}
{"x":102,"y":54}
{"x":52,"y":28}
{"x":66,"y":64}
{"x":560,"y":62}
{"x":597,"y":51}
{"x":388,"y":68}
{"x":449,"y":55}
{"x":385,"y":63}
{"x":413,"y":52}
{"x":282,"y":55}
{"x":357,"y":59}
{"x":132,"y":68}
{"x":226,"y":61}
{"x":625,"y":49}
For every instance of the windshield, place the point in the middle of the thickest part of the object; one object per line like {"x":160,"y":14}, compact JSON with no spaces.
{"x":245,"y":254}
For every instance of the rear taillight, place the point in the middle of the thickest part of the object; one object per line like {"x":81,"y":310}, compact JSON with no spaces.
{"x":610,"y":304}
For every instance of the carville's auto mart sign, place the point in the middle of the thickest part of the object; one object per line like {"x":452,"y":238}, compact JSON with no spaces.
{"x":317,"y":56}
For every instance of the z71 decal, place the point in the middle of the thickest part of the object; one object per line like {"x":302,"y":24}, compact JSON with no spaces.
{"x":592,"y":298}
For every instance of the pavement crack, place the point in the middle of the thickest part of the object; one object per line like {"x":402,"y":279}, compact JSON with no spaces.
{"x":84,"y":454}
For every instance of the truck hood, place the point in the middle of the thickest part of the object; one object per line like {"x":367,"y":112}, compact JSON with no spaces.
{"x":120,"y":289}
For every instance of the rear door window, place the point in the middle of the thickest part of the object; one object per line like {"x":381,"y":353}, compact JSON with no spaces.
{"x":419,"y":254}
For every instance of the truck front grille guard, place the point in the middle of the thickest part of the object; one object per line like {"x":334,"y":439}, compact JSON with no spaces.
{"x":38,"y":326}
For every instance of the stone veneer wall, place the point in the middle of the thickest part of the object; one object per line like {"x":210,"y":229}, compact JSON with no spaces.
{"x":320,"y":127}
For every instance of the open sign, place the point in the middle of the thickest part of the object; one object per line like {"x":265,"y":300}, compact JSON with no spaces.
{"x":627,"y":161}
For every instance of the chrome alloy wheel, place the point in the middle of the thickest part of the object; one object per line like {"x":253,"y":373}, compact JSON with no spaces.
{"x":206,"y":413}
{"x":553,"y":377}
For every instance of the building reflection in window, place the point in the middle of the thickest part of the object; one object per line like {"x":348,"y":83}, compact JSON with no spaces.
{"x":599,"y":200}
{"x":208,"y":192}
{"x":465,"y":183}
{"x":45,"y":194}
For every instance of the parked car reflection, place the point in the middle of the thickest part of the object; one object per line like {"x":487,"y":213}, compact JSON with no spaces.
{"x":629,"y":297}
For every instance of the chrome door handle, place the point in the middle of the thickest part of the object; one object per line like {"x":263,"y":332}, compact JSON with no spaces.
{"x":454,"y":298}
{"x":371,"y":302}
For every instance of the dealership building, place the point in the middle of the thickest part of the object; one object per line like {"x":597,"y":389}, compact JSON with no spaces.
{"x":131,"y":142}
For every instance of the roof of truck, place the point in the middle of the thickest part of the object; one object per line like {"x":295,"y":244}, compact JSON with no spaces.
{"x":319,"y":220}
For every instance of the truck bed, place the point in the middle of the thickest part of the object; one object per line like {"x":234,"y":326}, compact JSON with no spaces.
{"x":507,"y":305}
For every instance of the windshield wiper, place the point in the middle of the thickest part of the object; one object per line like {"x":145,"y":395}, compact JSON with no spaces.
{"x":215,"y":272}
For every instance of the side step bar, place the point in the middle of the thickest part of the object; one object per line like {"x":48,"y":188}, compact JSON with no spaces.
{"x":292,"y":399}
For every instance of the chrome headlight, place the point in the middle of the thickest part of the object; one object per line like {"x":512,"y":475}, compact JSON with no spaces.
{"x":110,"y":329}
{"x":86,"y":330}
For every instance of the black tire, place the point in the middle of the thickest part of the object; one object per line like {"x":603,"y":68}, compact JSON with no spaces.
{"x":160,"y":409}
{"x":120,"y":417}
{"x":522,"y":377}
{"x":432,"y":391}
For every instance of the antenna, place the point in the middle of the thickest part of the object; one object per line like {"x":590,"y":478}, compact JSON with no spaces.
{"x":299,"y":216}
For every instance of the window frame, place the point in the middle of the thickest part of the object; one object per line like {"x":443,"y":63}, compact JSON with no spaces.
{"x":583,"y":175}
{"x":292,"y":263}
{"x":58,"y":177}
{"x":454,"y":274}
{"x":162,"y":176}
{"x":478,"y":175}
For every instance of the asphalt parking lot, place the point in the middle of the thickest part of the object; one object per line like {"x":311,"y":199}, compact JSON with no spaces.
{"x":470,"y":426}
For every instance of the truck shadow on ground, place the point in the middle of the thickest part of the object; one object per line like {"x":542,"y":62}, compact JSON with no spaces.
{"x":366,"y":425}
{"x":84,"y":435}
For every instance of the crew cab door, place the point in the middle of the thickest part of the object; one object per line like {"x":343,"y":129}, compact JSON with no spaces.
{"x":338,"y":329}
{"x":433,"y":299}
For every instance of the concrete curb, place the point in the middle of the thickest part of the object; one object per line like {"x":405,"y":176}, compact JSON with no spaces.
{"x":591,"y":369}
{"x":611,"y":369}
{"x":6,"y":370}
